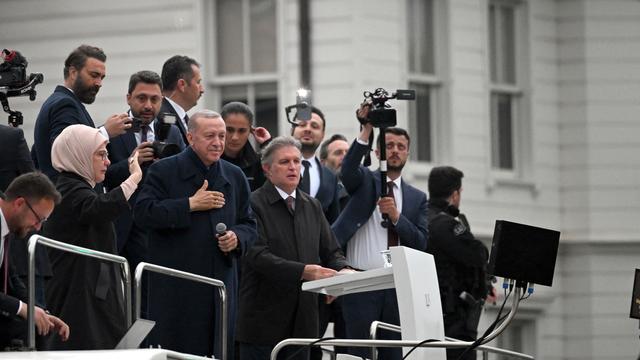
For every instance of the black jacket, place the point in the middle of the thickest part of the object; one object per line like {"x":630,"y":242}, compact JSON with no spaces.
{"x":460,"y":258}
{"x":249,"y":161}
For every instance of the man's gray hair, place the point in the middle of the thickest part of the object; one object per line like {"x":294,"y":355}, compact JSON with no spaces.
{"x":277,"y":144}
{"x":209,"y":114}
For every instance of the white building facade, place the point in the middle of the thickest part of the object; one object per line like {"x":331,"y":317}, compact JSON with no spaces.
{"x":535,"y":100}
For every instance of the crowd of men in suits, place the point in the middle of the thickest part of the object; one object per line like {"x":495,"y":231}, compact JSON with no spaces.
{"x":289,"y":214}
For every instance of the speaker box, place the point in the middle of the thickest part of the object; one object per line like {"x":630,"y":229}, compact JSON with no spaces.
{"x":523,"y":252}
{"x":635,"y":297}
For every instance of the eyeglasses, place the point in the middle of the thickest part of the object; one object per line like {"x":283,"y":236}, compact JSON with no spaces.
{"x":41,"y":220}
{"x":104,"y":155}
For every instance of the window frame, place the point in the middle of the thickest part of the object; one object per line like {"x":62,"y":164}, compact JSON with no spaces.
{"x":521,"y":151}
{"x":439,"y":129}
{"x":215,"y":81}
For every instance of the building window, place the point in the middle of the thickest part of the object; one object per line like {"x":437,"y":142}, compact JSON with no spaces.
{"x":245,"y":57}
{"x":519,"y":337}
{"x":423,"y":31}
{"x":506,"y":84}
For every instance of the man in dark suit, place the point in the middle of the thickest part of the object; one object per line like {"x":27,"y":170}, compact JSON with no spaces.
{"x":144,"y":97}
{"x":332,"y":151}
{"x":12,"y":164}
{"x":359,"y":228}
{"x":182,"y":87}
{"x":84,"y":70}
{"x":16,"y":159}
{"x":25,"y":205}
{"x":295,"y":243}
{"x":316,"y":180}
{"x":183,"y":199}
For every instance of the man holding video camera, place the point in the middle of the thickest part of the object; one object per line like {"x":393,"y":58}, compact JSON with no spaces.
{"x":144,"y":98}
{"x":359,"y":228}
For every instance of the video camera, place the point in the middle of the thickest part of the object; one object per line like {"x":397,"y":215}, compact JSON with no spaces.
{"x":14,"y":82}
{"x":161,"y":149}
{"x":381,"y":114}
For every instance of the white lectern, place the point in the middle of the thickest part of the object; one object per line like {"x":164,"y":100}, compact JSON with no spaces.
{"x":413,"y":274}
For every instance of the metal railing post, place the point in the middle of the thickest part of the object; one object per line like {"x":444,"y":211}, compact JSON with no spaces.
{"x":188,"y":276}
{"x":38,"y":239}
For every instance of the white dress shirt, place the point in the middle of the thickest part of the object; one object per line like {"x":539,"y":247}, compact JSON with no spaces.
{"x":363,"y":250}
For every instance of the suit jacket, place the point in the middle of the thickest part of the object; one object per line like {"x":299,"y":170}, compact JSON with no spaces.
{"x":328,"y":193}
{"x":16,"y":291}
{"x":168,"y":108}
{"x":12,"y":164}
{"x":11,"y":325}
{"x":60,"y":110}
{"x":120,"y":148}
{"x":272,"y":305}
{"x":16,"y":159}
{"x":186,"y":240}
{"x":364,"y":187}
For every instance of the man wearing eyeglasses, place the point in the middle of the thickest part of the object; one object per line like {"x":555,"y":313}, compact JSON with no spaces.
{"x":25,"y":205}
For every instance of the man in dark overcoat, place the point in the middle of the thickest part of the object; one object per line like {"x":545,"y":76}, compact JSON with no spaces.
{"x":183,"y":198}
{"x":294,"y":244}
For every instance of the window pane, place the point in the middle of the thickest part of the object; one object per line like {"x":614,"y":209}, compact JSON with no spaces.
{"x":266,"y":107}
{"x":493,"y":46}
{"x":508,"y":45}
{"x":420,"y":37}
{"x":230,"y":56}
{"x":234,"y":93}
{"x":263,"y":36}
{"x":420,"y":123}
{"x":502,"y":44}
{"x":502,"y":131}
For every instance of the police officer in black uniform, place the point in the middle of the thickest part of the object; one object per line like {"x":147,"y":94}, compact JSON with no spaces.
{"x":460,"y":259}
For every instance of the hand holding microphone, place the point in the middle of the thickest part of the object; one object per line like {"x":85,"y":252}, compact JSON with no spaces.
{"x":227,"y":240}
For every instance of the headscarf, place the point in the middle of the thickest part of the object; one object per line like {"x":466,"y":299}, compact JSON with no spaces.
{"x":73,"y":149}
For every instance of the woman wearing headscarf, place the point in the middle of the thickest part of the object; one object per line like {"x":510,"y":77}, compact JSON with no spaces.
{"x":87,"y":293}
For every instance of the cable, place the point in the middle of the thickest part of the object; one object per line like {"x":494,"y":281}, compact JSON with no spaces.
{"x":418,"y":345}
{"x":292,"y":356}
{"x":491,"y":327}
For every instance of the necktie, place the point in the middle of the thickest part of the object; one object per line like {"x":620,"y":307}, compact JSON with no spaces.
{"x":186,"y":119}
{"x":144,"y":129}
{"x":392,"y":235}
{"x":291,"y":204}
{"x":305,"y":182}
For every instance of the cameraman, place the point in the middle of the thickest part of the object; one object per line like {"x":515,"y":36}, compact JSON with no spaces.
{"x":359,"y":229}
{"x":144,"y":98}
{"x":460,"y":259}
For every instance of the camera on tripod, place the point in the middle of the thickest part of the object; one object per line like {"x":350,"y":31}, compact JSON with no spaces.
{"x":161,"y":149}
{"x":14,"y":82}
{"x":381,"y":114}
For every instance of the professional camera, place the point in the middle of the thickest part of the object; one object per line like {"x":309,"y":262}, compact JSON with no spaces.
{"x":302,"y":106}
{"x":161,"y":149}
{"x":14,"y":82}
{"x":381,"y":114}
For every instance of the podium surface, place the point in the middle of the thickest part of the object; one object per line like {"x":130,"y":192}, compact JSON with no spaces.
{"x":137,"y":354}
{"x":351,"y":283}
{"x":413,"y":274}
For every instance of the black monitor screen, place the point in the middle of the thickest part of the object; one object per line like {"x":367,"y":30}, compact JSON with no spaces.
{"x":523,"y":252}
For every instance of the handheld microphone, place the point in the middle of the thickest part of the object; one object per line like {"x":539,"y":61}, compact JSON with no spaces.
{"x":221,"y":229}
